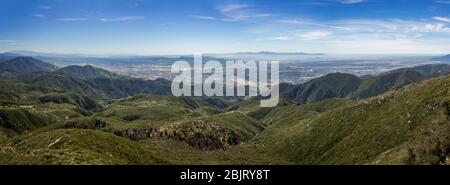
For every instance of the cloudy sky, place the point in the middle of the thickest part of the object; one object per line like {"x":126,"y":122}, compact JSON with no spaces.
{"x":191,"y":26}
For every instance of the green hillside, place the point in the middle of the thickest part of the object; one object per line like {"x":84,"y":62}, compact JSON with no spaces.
{"x":86,"y":72}
{"x":85,"y":104}
{"x":16,"y":120}
{"x":365,"y":131}
{"x":335,"y":85}
{"x":379,"y":84}
{"x":445,"y":58}
{"x":79,"y":147}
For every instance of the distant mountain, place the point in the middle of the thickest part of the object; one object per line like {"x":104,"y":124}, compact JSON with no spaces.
{"x":339,"y":85}
{"x":7,"y":56}
{"x":73,"y":58}
{"x":445,"y":58}
{"x":43,"y":54}
{"x":24,"y":65}
{"x":86,"y":72}
{"x":431,"y":69}
{"x":277,"y":53}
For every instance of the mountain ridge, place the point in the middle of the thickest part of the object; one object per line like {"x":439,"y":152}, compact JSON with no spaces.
{"x":87,"y":72}
{"x":445,"y":58}
{"x":24,"y":65}
{"x":361,"y":87}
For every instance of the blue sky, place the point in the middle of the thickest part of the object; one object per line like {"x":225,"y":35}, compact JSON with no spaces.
{"x":149,"y":27}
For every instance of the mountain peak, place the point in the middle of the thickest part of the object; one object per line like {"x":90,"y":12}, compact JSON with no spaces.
{"x":25,"y":59}
{"x":89,"y":66}
{"x":23,"y":65}
{"x":7,"y":56}
{"x":87,"y":72}
{"x":445,"y":58}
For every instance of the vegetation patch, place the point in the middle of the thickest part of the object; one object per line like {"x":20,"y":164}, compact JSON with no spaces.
{"x":202,"y":134}
{"x":20,"y":120}
{"x":86,"y":123}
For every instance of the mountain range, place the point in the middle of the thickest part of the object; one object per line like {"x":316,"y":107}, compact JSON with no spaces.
{"x":7,"y":56}
{"x":274,"y":53}
{"x":86,"y":72}
{"x":87,"y":115}
{"x":445,"y":58}
{"x":87,"y":80}
{"x":341,"y":85}
{"x":23,"y":65}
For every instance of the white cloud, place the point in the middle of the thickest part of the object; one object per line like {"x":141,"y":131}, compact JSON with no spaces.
{"x":393,"y":26}
{"x":72,"y":19}
{"x":330,"y":2}
{"x":280,"y":38}
{"x":7,"y":41}
{"x":431,"y":28}
{"x":442,"y":19}
{"x":203,"y":17}
{"x":45,"y":7}
{"x":291,"y":21}
{"x":241,"y":12}
{"x":233,"y":18}
{"x":351,"y":1}
{"x":310,"y":23}
{"x":366,"y":35}
{"x":443,"y":2}
{"x":350,"y":32}
{"x":247,"y":16}
{"x":126,"y":18}
{"x":314,"y":35}
{"x":232,"y":7}
{"x":38,"y":15}
{"x":377,"y":46}
{"x":369,"y":25}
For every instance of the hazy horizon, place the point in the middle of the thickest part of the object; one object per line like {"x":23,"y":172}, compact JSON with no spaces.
{"x":298,"y":53}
